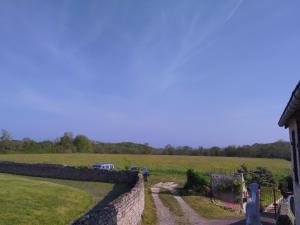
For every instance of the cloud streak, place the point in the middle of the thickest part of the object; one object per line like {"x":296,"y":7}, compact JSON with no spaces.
{"x":195,"y":33}
{"x":193,"y":43}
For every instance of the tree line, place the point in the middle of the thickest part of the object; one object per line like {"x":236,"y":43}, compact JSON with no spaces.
{"x":68,"y":143}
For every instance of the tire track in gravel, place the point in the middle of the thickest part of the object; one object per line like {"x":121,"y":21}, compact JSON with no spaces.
{"x":165,"y":217}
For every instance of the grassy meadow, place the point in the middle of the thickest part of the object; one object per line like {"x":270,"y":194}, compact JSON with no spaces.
{"x":158,"y":164}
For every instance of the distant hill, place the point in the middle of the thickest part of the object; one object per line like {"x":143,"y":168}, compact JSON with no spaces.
{"x":68,"y":144}
{"x":278,"y":149}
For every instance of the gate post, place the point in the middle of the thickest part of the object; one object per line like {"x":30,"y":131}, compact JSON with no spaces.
{"x":252,"y":207}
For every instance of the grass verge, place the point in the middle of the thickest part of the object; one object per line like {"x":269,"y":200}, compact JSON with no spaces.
{"x":149,"y":217}
{"x":207,"y":209}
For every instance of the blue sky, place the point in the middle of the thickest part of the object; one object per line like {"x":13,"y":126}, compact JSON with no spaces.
{"x":196,"y":72}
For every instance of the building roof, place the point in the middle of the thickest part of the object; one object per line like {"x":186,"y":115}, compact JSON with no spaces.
{"x":292,"y":107}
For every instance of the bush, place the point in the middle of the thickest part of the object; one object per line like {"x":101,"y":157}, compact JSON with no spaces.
{"x":286,"y":184}
{"x":197,"y":181}
{"x":260,"y":175}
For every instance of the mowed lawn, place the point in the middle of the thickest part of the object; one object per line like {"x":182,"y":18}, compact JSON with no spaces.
{"x":102,"y":193}
{"x":36,"y":201}
{"x":162,"y":164}
{"x":24,"y":201}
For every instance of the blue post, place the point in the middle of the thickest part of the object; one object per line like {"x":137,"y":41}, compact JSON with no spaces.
{"x":252,"y":207}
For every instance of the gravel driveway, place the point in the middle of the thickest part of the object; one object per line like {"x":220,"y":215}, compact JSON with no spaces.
{"x":165,"y":217}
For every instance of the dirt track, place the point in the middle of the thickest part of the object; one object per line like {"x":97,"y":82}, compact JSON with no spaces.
{"x":165,"y":217}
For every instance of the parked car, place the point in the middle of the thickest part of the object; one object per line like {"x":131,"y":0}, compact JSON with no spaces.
{"x":104,"y":166}
{"x":144,"y":170}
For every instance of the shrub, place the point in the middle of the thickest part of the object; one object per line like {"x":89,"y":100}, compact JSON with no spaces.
{"x":197,"y":181}
{"x":286,"y":184}
{"x":260,"y":175}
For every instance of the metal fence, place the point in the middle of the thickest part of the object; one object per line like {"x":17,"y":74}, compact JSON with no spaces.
{"x":269,"y":198}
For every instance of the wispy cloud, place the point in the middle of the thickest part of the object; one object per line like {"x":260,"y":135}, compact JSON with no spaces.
{"x":195,"y":41}
{"x":195,"y":33}
{"x":233,"y":11}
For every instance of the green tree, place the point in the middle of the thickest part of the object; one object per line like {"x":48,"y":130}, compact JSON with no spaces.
{"x":83,"y":144}
{"x":66,"y":142}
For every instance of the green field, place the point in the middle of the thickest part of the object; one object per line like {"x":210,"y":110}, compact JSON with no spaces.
{"x":160,"y":164}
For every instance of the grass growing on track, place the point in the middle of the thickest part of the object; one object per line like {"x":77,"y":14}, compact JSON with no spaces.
{"x":171,"y":203}
{"x":33,"y":202}
{"x":150,"y":216}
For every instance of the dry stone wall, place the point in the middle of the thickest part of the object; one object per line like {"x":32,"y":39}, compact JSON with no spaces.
{"x":127,"y":209}
{"x":68,"y":172}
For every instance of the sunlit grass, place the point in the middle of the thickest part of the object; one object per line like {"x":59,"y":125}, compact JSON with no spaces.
{"x":101,"y":192}
{"x":207,"y":209}
{"x":149,"y":217}
{"x":25,"y":201}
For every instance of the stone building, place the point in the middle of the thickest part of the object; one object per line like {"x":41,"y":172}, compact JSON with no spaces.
{"x":291,"y":119}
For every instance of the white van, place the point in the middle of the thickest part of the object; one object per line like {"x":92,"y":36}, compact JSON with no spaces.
{"x":104,"y":166}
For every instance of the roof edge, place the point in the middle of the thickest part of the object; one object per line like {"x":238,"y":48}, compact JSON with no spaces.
{"x":291,"y":108}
